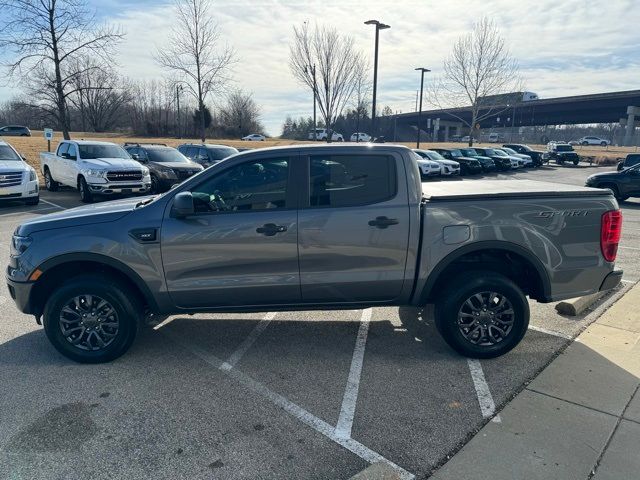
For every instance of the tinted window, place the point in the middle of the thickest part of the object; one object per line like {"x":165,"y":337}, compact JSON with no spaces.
{"x":632,"y":160}
{"x":72,"y":153}
{"x":349,"y":180}
{"x":62,"y":149}
{"x":7,"y":153}
{"x":165,"y":155}
{"x":469,"y":152}
{"x":191,"y":152}
{"x":89,"y":151}
{"x":219,"y":153}
{"x":564,"y":148}
{"x":250,"y":186}
{"x":434,"y":156}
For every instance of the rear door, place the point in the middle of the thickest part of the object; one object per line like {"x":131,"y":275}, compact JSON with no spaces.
{"x":354,"y":227}
{"x":240,"y":248}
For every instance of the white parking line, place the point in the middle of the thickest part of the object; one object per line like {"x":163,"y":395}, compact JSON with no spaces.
{"x":350,"y":398}
{"x":550,"y":332}
{"x":53,"y":204}
{"x":487,"y":405}
{"x":246,"y":344}
{"x":166,"y":321}
{"x":628,"y":248}
{"x":291,"y":408}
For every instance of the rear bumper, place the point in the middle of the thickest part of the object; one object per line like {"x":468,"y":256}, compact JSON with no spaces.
{"x":612,"y":280}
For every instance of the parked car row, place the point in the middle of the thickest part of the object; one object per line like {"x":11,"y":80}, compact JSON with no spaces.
{"x":471,"y":161}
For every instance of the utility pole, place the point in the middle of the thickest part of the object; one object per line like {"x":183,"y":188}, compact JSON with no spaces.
{"x":421,"y":70}
{"x":379,"y":26}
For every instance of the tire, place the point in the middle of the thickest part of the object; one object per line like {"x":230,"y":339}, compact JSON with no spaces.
{"x":155,"y":186}
{"x":615,"y":191}
{"x":85,"y":193}
{"x":576,"y":162}
{"x":49,"y":182}
{"x":117,"y":330}
{"x":454,"y":307}
{"x":584,"y":144}
{"x":32,"y":201}
{"x":603,"y":144}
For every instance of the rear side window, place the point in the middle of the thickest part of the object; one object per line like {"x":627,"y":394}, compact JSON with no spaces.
{"x":62,"y":148}
{"x":350,"y":180}
{"x":632,"y":160}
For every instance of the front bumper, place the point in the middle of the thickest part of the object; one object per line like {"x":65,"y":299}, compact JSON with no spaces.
{"x":119,"y":188}
{"x":612,"y":280}
{"x":21,"y":294}
{"x":18,"y":192}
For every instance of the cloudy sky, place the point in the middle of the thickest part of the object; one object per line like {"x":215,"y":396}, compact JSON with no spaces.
{"x":564,"y":47}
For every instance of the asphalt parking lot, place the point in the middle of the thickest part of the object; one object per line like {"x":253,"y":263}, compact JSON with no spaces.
{"x":287,"y":395}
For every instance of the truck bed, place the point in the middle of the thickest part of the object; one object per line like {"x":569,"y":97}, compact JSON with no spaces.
{"x":459,"y":190}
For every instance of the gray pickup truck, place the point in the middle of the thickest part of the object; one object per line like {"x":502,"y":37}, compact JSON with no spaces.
{"x":315,"y":227}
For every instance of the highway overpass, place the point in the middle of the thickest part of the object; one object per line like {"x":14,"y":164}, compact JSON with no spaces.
{"x":580,"y":109}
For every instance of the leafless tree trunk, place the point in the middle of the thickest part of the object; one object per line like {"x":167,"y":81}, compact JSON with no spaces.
{"x":339,"y":68}
{"x":195,"y":52}
{"x":479,"y":66}
{"x":45,"y":36}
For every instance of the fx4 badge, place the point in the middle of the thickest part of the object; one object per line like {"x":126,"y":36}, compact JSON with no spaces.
{"x":563,"y":213}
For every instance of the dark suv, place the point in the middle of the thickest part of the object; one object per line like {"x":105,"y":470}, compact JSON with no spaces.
{"x":562,"y":152}
{"x":631,"y":160}
{"x":14,"y":131}
{"x":206,"y":154}
{"x":623,"y":184}
{"x":167,"y":166}
{"x":536,"y":155}
{"x":468,"y":165}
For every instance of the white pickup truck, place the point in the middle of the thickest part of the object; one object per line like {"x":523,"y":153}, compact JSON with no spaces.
{"x":18,"y":180}
{"x":94,"y":168}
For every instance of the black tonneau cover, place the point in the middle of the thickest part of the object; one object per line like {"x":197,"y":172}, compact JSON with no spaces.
{"x":481,"y":189}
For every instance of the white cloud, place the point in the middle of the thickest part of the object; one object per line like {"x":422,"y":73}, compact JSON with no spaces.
{"x":564,"y":48}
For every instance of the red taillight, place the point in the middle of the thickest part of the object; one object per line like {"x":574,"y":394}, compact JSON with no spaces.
{"x":610,"y":230}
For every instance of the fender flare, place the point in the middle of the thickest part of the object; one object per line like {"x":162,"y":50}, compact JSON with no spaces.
{"x":488,"y":245}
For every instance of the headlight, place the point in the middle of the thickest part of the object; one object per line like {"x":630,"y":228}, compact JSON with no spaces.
{"x":91,"y":172}
{"x":32,"y":175}
{"x":19,"y":244}
{"x":167,"y":173}
{"x":145,"y":171}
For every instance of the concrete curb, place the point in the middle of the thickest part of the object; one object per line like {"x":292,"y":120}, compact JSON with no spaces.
{"x":377,"y":471}
{"x":575,"y":306}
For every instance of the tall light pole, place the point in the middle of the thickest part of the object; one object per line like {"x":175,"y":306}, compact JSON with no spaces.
{"x":421,"y":70}
{"x":379,"y":26}
{"x":312,"y":69}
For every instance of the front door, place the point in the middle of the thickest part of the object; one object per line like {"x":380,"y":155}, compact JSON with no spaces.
{"x":354,"y":229}
{"x":240,"y":247}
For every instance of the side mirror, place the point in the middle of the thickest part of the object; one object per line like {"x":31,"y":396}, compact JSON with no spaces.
{"x":24,"y":158}
{"x":182,"y":205}
{"x":135,"y":156}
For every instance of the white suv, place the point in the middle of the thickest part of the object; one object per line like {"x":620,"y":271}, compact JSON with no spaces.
{"x":18,"y":180}
{"x":593,"y":141}
{"x":322,"y":133}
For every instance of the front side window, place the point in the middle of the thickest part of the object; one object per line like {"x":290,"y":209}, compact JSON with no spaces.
{"x":72,"y":152}
{"x":251,"y":186}
{"x":350,"y":180}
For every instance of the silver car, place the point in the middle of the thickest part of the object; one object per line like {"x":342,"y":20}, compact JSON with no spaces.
{"x":447,"y":167}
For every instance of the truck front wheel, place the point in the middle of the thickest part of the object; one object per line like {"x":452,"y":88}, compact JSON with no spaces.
{"x":90,"y":319}
{"x":482,"y":314}
{"x":85,"y":193}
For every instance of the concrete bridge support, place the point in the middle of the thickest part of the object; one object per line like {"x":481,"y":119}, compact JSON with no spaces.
{"x":632,"y":113}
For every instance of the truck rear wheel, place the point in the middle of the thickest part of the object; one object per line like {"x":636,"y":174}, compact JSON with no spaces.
{"x":482,"y":314}
{"x":90,"y":319}
{"x":49,"y":182}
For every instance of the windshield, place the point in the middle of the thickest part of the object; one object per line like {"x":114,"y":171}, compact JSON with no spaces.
{"x":434,"y":156}
{"x":469,"y":152}
{"x":166,"y":155}
{"x":526,"y":148}
{"x":455,"y":153}
{"x":220,"y":153}
{"x":7,"y":153}
{"x":564,"y":148}
{"x":497,"y":153}
{"x":89,"y":151}
{"x":509,"y":151}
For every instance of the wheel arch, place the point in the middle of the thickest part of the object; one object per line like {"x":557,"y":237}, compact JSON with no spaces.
{"x":59,"y":269}
{"x":510,"y":259}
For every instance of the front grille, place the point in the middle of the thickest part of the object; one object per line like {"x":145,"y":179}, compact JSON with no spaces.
{"x":124,"y":176}
{"x":183,"y":174}
{"x":10,"y":179}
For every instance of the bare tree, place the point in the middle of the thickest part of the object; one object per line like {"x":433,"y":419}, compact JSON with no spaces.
{"x":45,"y":36}
{"x":362,"y":90}
{"x":477,"y":71}
{"x":195,"y":52}
{"x":241,"y":115}
{"x":339,"y":68}
{"x":100,"y":95}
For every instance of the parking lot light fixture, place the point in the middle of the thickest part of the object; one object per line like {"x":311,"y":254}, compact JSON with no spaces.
{"x":379,"y":26}
{"x":422,"y":70}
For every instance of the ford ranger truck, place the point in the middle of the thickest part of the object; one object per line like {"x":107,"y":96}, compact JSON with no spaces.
{"x":312,"y":228}
{"x":94,"y":169}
